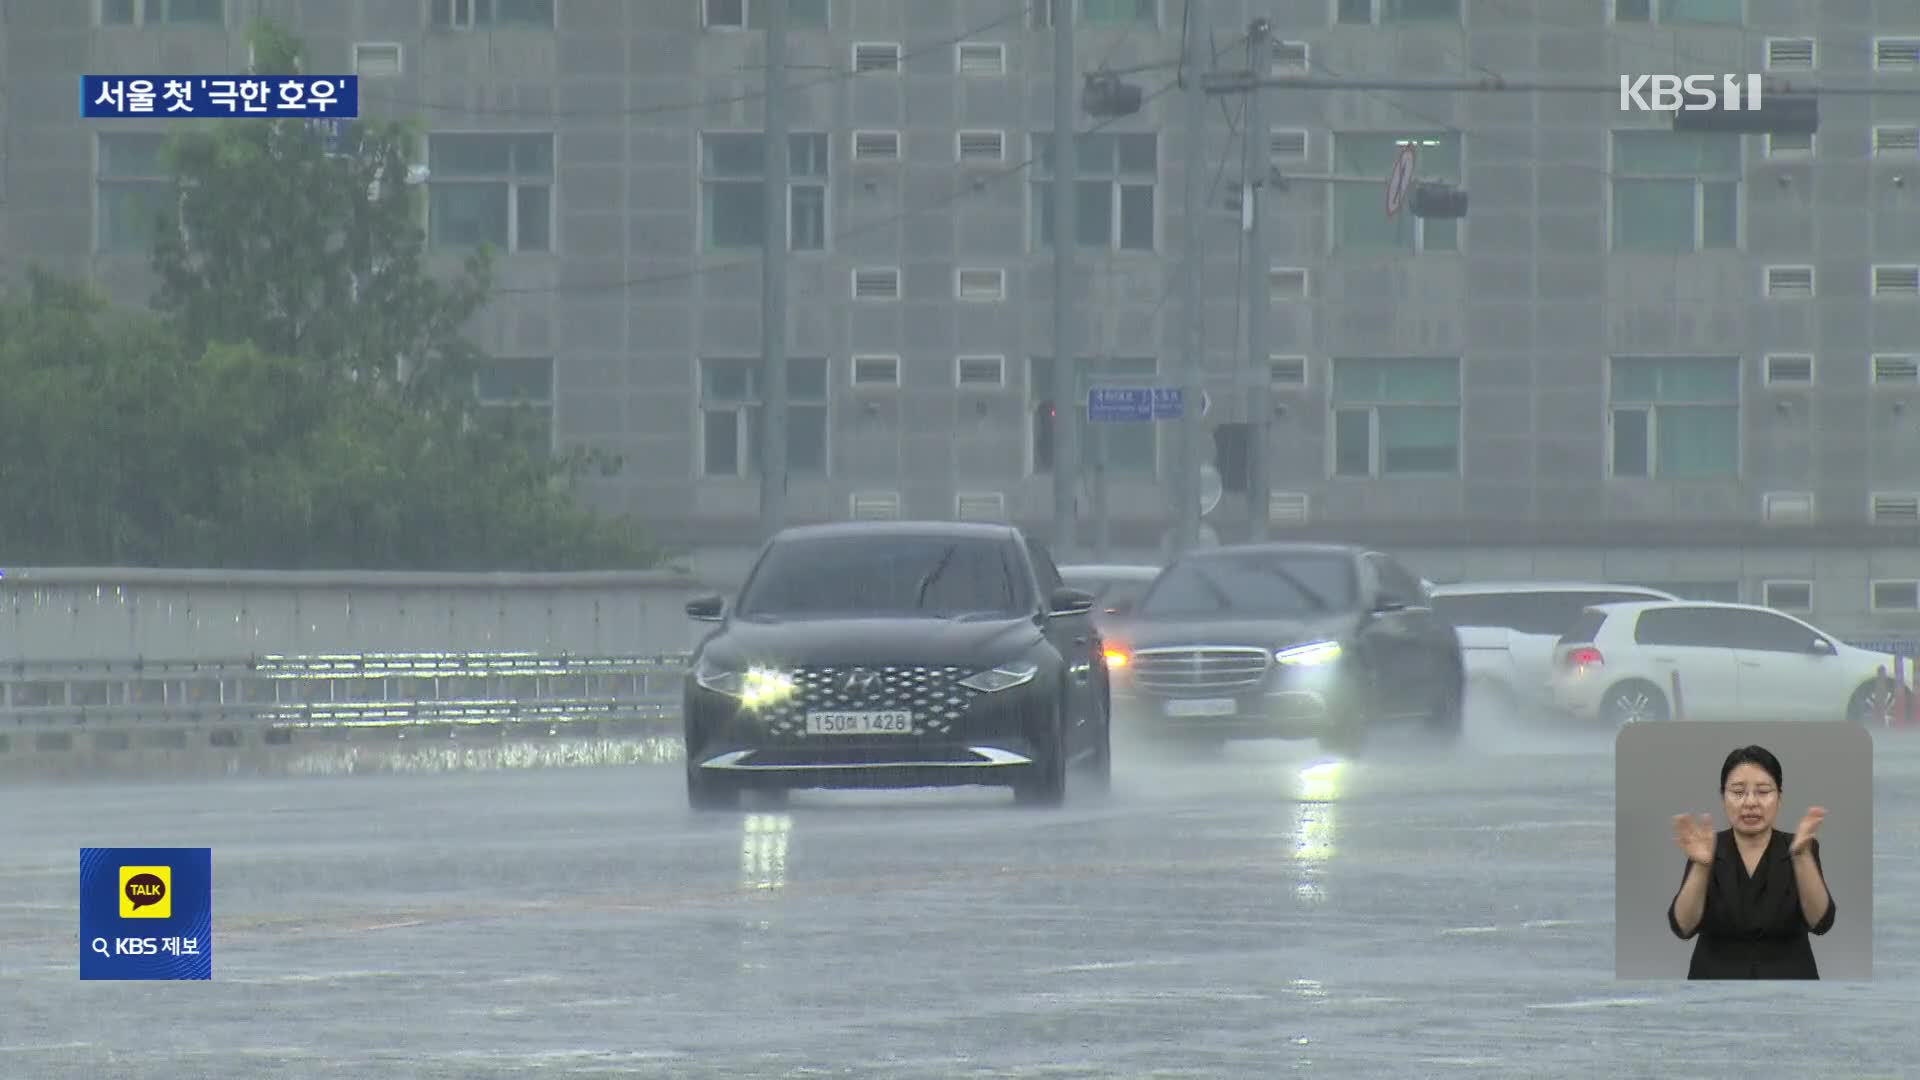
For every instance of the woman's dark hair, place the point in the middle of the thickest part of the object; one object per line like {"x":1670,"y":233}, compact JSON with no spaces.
{"x":1752,"y":755}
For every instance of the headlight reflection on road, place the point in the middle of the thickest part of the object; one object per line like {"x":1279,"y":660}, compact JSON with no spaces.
{"x":763,"y":873}
{"x":1313,"y":828}
{"x":763,"y":851}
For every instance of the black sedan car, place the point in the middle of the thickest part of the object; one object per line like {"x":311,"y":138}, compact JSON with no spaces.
{"x":1284,"y":641}
{"x":897,"y":655}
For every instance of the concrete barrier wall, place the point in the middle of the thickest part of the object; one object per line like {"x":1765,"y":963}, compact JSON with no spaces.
{"x":123,"y":614}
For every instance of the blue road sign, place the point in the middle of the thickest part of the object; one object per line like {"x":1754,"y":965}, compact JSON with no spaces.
{"x":1122,"y":404}
{"x":1169,"y":402}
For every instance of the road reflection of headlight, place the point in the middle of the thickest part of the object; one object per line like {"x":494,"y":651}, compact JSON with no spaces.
{"x":1313,"y":828}
{"x":763,"y":851}
{"x":1321,"y":783}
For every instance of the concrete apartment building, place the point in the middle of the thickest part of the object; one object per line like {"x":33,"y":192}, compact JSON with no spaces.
{"x":1677,"y":359}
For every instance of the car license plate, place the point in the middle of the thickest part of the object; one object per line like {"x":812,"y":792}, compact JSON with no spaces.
{"x":888,"y":722}
{"x":1202,"y":707}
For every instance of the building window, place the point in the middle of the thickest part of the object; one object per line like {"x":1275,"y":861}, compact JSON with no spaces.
{"x":1787,"y":595}
{"x":1119,"y":12}
{"x":158,"y":12}
{"x":1115,"y":193}
{"x":1359,"y":218}
{"x":1895,"y":596}
{"x":491,"y":189}
{"x":1675,"y":416}
{"x":752,"y":14}
{"x":1680,"y":12}
{"x":469,"y":14}
{"x":730,"y":416}
{"x":134,"y":193}
{"x":1364,"y":12}
{"x":1396,"y":417}
{"x":518,"y":393}
{"x":1131,"y":448}
{"x":731,"y":167}
{"x":1675,"y":192}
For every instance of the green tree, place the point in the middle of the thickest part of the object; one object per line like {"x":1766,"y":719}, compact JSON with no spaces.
{"x":124,"y":443}
{"x":311,"y":249}
{"x":303,"y":398}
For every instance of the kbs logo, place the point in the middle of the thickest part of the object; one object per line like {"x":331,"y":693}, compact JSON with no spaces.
{"x":146,"y":892}
{"x":1694,"y":93}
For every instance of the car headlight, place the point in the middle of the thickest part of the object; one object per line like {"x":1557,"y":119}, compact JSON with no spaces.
{"x":754,"y":687}
{"x":1312,"y":654}
{"x":1004,"y":677}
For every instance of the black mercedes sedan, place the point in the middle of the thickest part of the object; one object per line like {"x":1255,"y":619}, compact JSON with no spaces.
{"x":896,"y":654}
{"x":1285,"y":640}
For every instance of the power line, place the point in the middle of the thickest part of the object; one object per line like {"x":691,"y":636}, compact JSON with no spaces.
{"x":846,"y":234}
{"x":666,"y":108}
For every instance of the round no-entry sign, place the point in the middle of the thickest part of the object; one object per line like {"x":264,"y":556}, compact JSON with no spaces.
{"x":1400,"y":180}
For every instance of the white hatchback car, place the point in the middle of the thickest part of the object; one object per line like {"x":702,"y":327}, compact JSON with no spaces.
{"x":1734,"y":661}
{"x":1508,"y":632}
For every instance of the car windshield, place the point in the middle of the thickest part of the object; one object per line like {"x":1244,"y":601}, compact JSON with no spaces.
{"x":936,"y":576}
{"x":1254,"y":585}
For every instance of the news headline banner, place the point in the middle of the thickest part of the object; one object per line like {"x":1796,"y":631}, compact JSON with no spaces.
{"x":146,"y":914}
{"x":107,"y":97}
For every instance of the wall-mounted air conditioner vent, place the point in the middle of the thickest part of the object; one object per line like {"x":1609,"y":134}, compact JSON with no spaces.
{"x":876,"y":283}
{"x":980,"y":506}
{"x":1787,"y":507}
{"x":1289,"y":507}
{"x":1790,"y":54}
{"x":875,"y":506}
{"x":980,"y":284}
{"x":1288,"y":282}
{"x":876,"y":57}
{"x":876,"y":146}
{"x":1896,"y":508}
{"x":1789,"y":282}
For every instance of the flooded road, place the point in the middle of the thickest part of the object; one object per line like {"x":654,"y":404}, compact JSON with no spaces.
{"x":1421,"y":912}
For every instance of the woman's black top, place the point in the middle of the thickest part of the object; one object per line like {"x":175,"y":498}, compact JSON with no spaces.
{"x":1753,"y":927}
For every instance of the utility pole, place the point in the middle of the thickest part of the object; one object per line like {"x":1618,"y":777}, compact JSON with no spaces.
{"x":1255,"y":163}
{"x":1186,"y":485}
{"x":773,"y":282}
{"x":1066,"y":358}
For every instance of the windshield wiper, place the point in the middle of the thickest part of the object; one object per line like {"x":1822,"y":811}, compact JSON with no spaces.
{"x":933,"y":575}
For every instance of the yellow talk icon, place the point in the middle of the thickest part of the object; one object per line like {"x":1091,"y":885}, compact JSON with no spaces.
{"x":146,"y":892}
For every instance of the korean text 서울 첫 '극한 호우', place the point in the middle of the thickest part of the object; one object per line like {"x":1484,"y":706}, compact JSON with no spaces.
{"x":201,"y":96}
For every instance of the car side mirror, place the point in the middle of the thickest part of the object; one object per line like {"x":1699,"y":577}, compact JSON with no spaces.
{"x":706,"y":609}
{"x":1069,"y":602}
{"x":1822,"y":647}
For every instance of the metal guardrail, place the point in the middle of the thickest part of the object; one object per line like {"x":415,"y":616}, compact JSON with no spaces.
{"x":353,"y":690}
{"x":339,"y":690}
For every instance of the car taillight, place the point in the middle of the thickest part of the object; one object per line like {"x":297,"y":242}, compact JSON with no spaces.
{"x":1116,"y":658}
{"x":1585,"y":656}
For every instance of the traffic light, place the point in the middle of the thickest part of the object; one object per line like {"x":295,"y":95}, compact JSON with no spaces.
{"x":1106,"y":96}
{"x":1233,"y":454}
{"x":1778,"y":114}
{"x":1436,"y":200}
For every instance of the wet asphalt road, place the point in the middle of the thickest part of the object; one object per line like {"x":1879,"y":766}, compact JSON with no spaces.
{"x":1420,"y":913}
